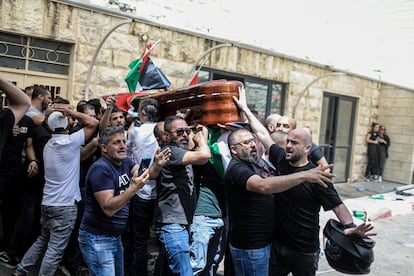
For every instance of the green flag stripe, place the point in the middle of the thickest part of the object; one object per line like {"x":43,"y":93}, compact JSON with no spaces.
{"x":133,"y":75}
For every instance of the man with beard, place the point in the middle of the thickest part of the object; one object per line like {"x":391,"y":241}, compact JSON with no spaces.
{"x":296,"y":242}
{"x":176,"y":193}
{"x":295,"y":246}
{"x":112,"y":116}
{"x":250,"y":203}
{"x":41,"y":98}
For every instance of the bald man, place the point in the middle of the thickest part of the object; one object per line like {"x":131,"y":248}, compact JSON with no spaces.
{"x":296,"y":242}
{"x":295,"y":247}
{"x":271,"y":122}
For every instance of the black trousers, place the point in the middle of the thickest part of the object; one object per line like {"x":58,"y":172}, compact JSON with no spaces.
{"x":285,"y":260}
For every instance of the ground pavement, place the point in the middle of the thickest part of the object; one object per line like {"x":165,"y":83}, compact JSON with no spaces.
{"x":391,"y":214}
{"x":380,"y":202}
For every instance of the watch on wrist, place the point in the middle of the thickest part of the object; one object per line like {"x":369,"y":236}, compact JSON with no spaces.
{"x":349,"y":225}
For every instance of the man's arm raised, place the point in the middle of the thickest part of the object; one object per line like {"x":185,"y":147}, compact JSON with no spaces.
{"x":277,"y":184}
{"x":256,"y":125}
{"x":19,"y":102}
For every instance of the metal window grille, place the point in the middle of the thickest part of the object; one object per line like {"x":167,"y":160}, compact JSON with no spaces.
{"x":34,"y":54}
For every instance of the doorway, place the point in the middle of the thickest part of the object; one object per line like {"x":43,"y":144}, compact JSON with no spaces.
{"x":337,"y":131}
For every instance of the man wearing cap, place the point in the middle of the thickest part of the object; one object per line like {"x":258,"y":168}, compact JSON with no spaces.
{"x":61,"y":191}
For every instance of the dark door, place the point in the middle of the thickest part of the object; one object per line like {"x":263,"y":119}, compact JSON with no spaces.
{"x":337,"y":127}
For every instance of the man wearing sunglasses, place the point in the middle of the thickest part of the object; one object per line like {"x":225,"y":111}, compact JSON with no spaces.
{"x":250,"y":203}
{"x":295,"y":245}
{"x":176,"y":193}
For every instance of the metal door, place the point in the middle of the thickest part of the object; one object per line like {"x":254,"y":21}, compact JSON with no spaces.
{"x":336,"y":132}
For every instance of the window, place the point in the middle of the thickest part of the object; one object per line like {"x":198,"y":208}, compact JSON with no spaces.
{"x":264,"y":96}
{"x":34,"y":54}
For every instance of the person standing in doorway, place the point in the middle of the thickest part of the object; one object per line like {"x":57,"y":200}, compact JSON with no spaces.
{"x":384,"y":142}
{"x":371,"y":173}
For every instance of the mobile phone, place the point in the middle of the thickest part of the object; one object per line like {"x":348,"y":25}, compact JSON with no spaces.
{"x":143,"y":165}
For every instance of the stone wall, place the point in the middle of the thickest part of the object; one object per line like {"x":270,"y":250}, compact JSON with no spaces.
{"x":85,"y":29}
{"x":396,"y":112}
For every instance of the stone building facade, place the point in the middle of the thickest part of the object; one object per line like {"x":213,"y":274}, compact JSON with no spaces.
{"x":83,"y":28}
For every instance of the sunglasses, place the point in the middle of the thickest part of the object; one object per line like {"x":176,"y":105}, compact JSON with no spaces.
{"x":247,"y":142}
{"x":180,"y":131}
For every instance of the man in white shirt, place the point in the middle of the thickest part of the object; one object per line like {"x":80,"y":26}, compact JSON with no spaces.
{"x":61,"y":191}
{"x":141,"y":144}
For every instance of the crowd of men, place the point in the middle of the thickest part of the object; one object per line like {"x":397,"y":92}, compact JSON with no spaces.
{"x":75,"y":177}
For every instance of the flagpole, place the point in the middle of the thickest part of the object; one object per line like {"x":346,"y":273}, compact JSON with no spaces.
{"x":204,"y":55}
{"x":88,"y":78}
{"x":144,"y":58}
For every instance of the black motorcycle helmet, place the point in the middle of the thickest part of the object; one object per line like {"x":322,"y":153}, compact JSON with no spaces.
{"x":347,"y":254}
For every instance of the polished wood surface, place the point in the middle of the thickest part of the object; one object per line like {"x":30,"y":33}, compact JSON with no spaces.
{"x":210,"y":102}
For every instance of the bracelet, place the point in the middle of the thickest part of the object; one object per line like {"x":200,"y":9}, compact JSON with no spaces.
{"x":349,"y":225}
{"x":34,"y":160}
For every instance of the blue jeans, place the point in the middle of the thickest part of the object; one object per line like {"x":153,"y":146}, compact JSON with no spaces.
{"x":251,"y":262}
{"x":103,"y":254}
{"x":206,"y":235}
{"x":175,"y":242}
{"x":57,"y":225}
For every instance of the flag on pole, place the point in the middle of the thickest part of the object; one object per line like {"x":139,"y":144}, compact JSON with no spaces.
{"x":153,"y":78}
{"x":136,"y":77}
{"x":133,"y":76}
{"x":194,"y":79}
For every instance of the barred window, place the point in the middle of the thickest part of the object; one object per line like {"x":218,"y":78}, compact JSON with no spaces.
{"x":34,"y":54}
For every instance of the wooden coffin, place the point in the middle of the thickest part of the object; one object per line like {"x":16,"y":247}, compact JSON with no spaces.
{"x":210,"y":102}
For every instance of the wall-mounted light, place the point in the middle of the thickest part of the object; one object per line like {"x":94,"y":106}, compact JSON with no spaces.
{"x":143,"y":37}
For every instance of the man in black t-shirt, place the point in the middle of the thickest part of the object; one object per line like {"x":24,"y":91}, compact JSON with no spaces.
{"x":15,"y":170}
{"x":19,"y":103}
{"x":296,"y":241}
{"x":250,"y":203}
{"x":297,"y":209}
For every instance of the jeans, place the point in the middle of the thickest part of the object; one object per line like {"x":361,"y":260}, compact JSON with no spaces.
{"x":73,"y":256}
{"x":175,"y":243}
{"x":206,"y":235}
{"x":103,"y":254}
{"x":57,"y":225}
{"x":285,"y":260}
{"x":251,"y":262}
{"x":136,"y":249}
